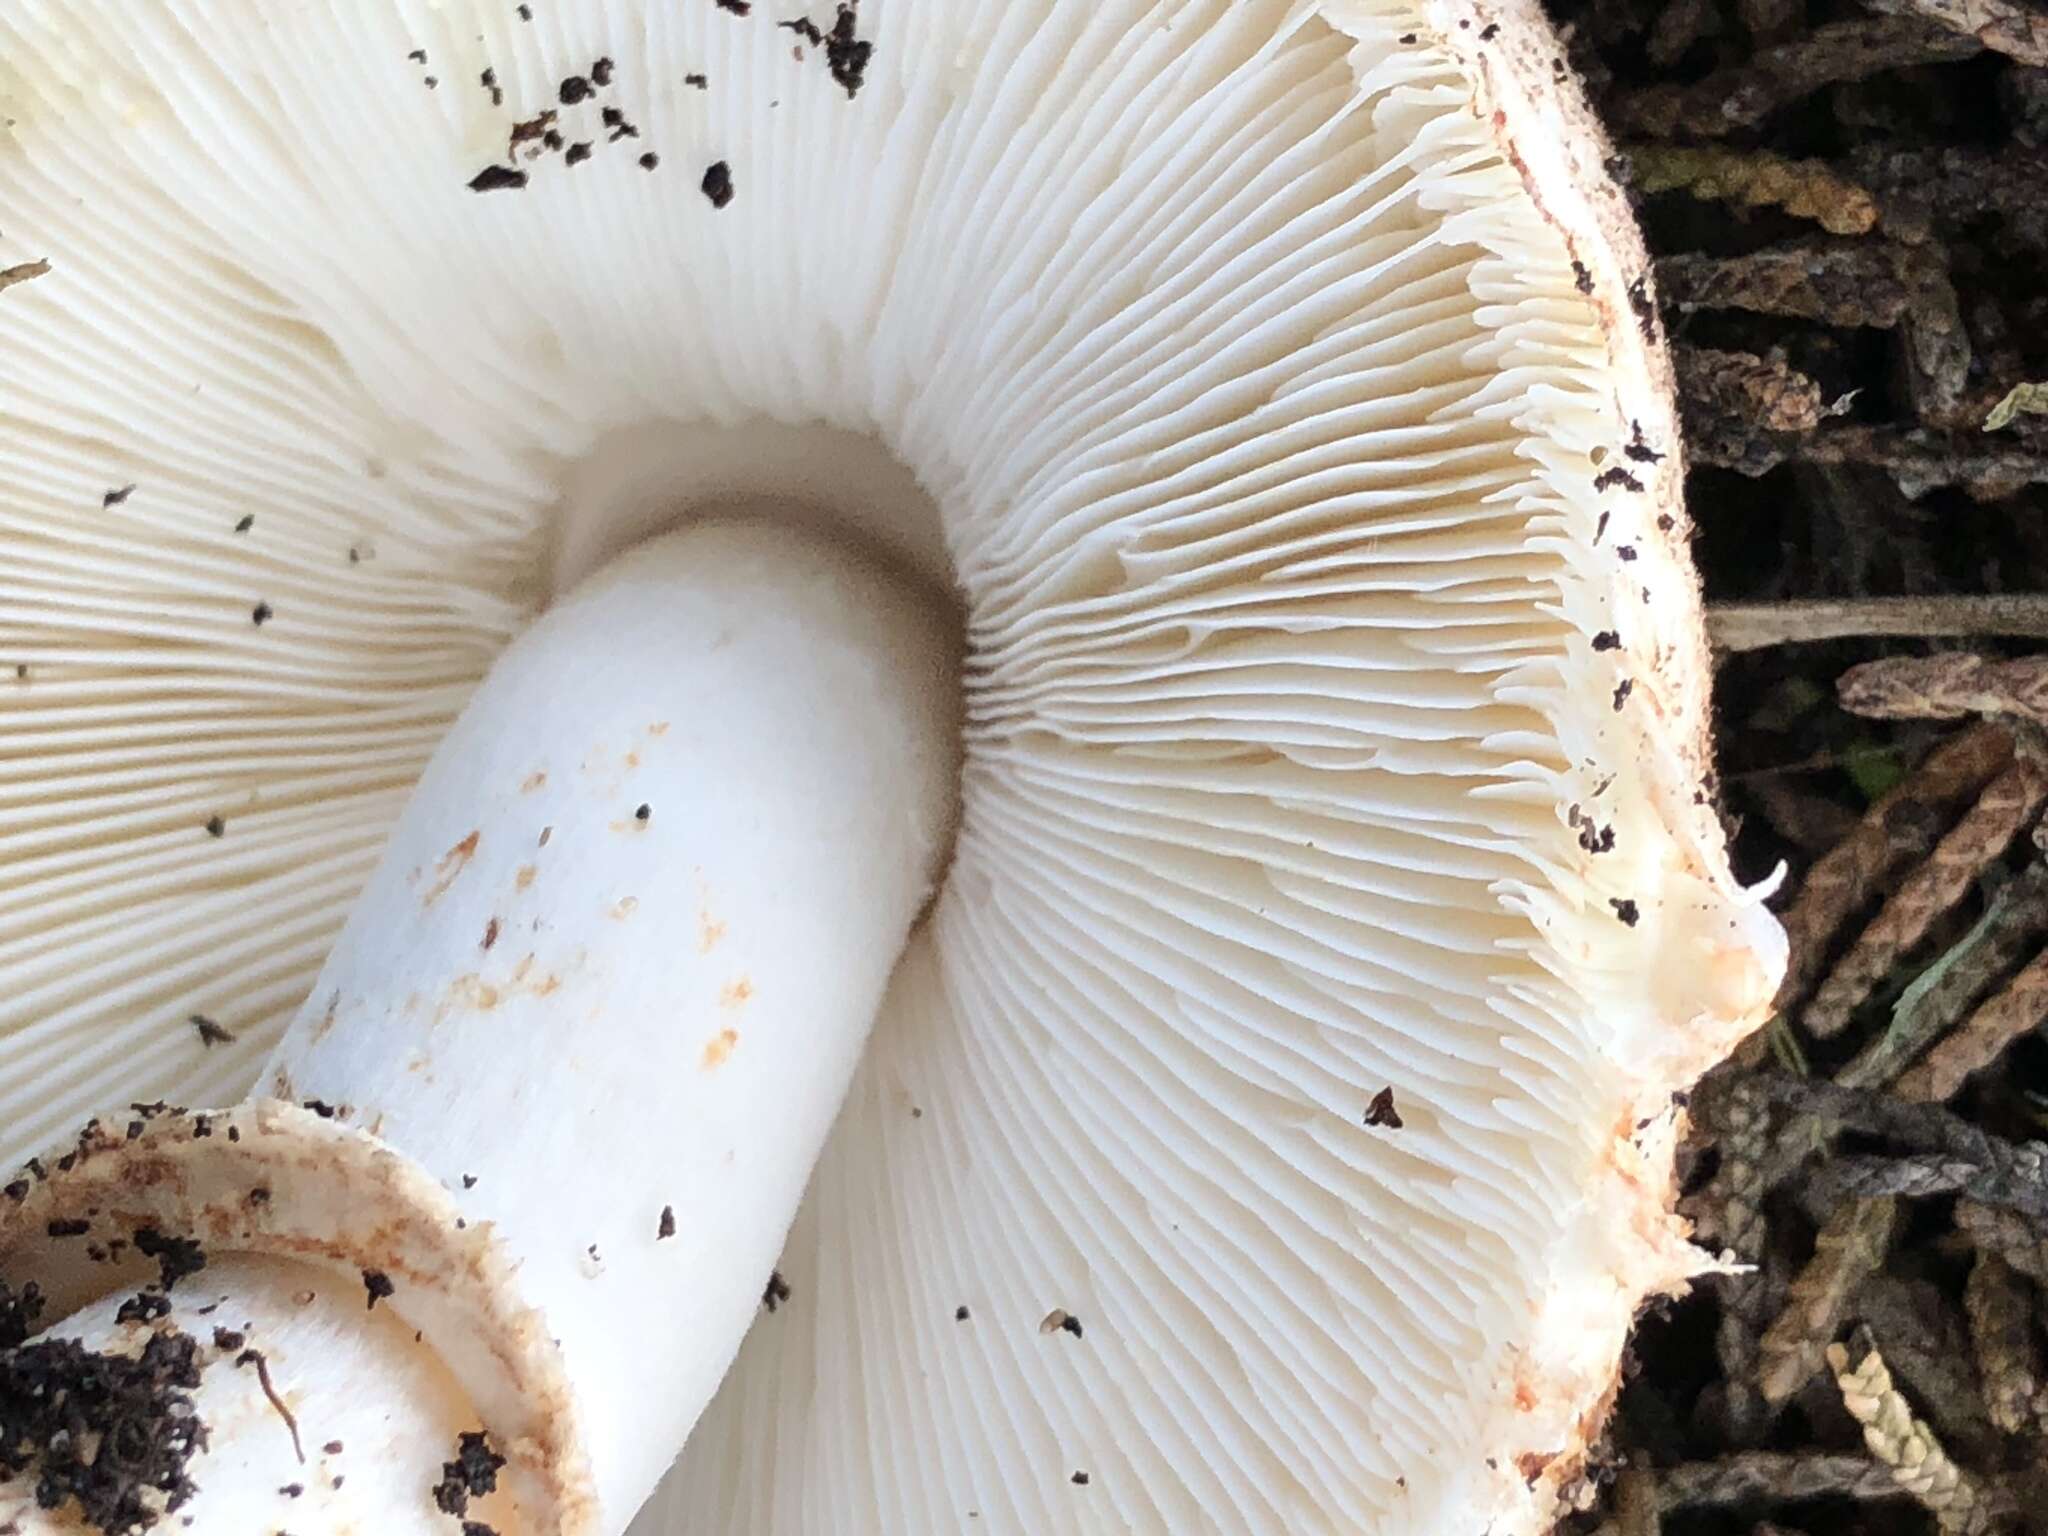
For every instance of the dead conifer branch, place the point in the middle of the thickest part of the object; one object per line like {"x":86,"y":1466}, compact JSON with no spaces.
{"x":1766,"y":392}
{"x":2011,"y":27}
{"x":2009,"y":803}
{"x":2015,"y":1010}
{"x":1950,"y":686}
{"x":2018,"y":1181}
{"x":2000,"y":1315}
{"x":1752,"y":626}
{"x":1851,"y":1245}
{"x":2011,"y":1236}
{"x":1807,"y":189}
{"x":1927,"y":1012}
{"x":1754,"y":1477}
{"x":1899,"y":830}
{"x":1747,"y":93}
{"x":1907,"y":1444}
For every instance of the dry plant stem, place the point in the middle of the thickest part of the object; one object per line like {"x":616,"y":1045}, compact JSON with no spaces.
{"x":1759,"y":1477}
{"x":1900,"y":829}
{"x":1851,"y":1245}
{"x":1846,"y":283}
{"x":1728,"y":1212}
{"x":1906,"y":1444}
{"x":2017,"y":1009}
{"x":1918,"y":459}
{"x":1951,"y":686}
{"x":1766,"y":392}
{"x":1738,"y":97}
{"x":1807,"y":189}
{"x":1926,"y":1344}
{"x":1927,"y":1011}
{"x":2000,"y":1314}
{"x":22,"y":272}
{"x":1752,"y":626}
{"x":2008,"y":804}
{"x":2021,"y":1243}
{"x":1915,"y":1127}
{"x":2017,"y":1180}
{"x":2012,"y":27}
{"x":1637,"y":1511}
{"x":1953,"y":183}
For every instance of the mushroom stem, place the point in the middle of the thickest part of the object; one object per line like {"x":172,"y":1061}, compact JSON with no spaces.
{"x":618,"y":962}
{"x":580,"y":1042}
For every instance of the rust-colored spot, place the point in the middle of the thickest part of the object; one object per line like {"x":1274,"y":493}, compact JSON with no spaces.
{"x":452,"y":864}
{"x":734,"y":993}
{"x":1533,"y":1464}
{"x":533,"y":781}
{"x":1525,"y":1397}
{"x":719,"y":1048}
{"x":547,"y":984}
{"x":472,"y":991}
{"x":625,"y":907}
{"x":490,"y":933}
{"x":659,"y":728}
{"x":709,"y":931}
{"x":326,"y":1020}
{"x":525,"y":876}
{"x":632,"y":759}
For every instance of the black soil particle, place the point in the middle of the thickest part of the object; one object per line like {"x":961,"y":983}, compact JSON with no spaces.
{"x":378,"y":1286}
{"x":497,"y":178}
{"x":776,"y":1292}
{"x":1381,"y":1111}
{"x":106,"y":1436}
{"x":718,"y":183}
{"x":177,"y":1258}
{"x":471,"y":1475}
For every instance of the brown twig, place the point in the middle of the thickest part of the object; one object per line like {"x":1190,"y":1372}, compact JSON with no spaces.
{"x":2014,"y":1011}
{"x":1835,"y":282}
{"x":1753,"y":626}
{"x":1852,"y":1243}
{"x":2000,"y":1315}
{"x":2009,"y":803}
{"x":23,"y":272}
{"x":1926,"y":1345}
{"x":1747,"y":93}
{"x":1898,"y":831}
{"x":1951,"y":686}
{"x":2018,"y":1181}
{"x":1766,"y":392}
{"x":2012,"y":1237}
{"x":1918,"y":459}
{"x":1759,"y":1477}
{"x":1927,"y":1011}
{"x":2010,"y":27}
{"x":1806,"y":189}
{"x":1907,"y":1444}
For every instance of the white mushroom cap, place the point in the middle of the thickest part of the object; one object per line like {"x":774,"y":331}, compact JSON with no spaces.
{"x":1271,"y":376}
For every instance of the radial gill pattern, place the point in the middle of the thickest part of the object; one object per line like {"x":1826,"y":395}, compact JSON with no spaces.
{"x":1333,"y":689}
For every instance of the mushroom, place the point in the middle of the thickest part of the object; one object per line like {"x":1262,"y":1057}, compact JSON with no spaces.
{"x":1241,"y":1093}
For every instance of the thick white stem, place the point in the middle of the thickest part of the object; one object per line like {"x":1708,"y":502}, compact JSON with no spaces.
{"x":612,"y":976}
{"x":607,"y":988}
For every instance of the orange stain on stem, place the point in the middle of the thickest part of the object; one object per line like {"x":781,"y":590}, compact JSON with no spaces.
{"x":734,"y":993}
{"x":452,"y":864}
{"x":719,"y":1047}
{"x":534,"y":781}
